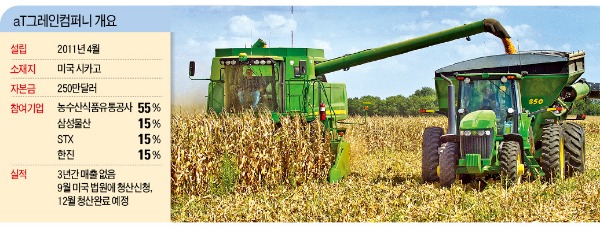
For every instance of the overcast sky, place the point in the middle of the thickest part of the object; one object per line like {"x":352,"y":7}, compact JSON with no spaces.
{"x":197,"y":31}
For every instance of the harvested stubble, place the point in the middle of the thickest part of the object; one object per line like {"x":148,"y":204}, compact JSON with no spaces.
{"x":241,"y":153}
{"x":385,"y":185}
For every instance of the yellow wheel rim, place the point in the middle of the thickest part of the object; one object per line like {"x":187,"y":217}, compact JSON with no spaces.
{"x":561,"y":159}
{"x":437,"y":171}
{"x":520,"y":166}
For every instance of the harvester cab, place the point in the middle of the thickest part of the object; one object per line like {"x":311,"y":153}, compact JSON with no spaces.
{"x":509,"y":124}
{"x":250,"y":83}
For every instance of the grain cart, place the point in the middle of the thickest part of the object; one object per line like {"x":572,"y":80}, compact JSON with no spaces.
{"x":508,"y":119}
{"x":291,"y":81}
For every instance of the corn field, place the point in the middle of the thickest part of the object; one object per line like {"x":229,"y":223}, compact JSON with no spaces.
{"x":245,"y":169}
{"x":245,"y":152}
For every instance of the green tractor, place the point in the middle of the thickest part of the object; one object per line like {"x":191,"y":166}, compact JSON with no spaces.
{"x":291,"y":81}
{"x":507,"y":119}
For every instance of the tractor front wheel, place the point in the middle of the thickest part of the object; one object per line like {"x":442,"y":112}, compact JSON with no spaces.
{"x":511,"y":164}
{"x":429,"y":153}
{"x":574,"y":139}
{"x":448,"y":162}
{"x":553,"y":156}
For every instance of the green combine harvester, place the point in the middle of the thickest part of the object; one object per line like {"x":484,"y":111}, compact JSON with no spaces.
{"x":291,"y":81}
{"x":508,"y":119}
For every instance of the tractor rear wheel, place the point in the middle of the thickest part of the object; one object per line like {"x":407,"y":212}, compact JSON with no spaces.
{"x":553,"y":157}
{"x":510,"y":162}
{"x":448,"y":162}
{"x":429,"y":153}
{"x":574,"y":139}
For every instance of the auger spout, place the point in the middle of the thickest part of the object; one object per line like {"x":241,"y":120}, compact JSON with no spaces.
{"x":487,"y":25}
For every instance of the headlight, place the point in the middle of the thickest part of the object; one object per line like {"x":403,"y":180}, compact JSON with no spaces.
{"x":480,"y":132}
{"x":487,"y":132}
{"x":467,"y":133}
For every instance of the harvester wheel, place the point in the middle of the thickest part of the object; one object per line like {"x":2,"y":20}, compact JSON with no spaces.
{"x":429,"y":153}
{"x":553,"y":157}
{"x":448,"y":162}
{"x":574,"y":138}
{"x":510,"y":163}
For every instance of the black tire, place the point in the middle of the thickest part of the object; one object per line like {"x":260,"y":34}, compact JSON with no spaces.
{"x":552,"y":159}
{"x":429,"y":153}
{"x":510,"y":159}
{"x":574,"y":144}
{"x":448,"y":162}
{"x":466,"y":178}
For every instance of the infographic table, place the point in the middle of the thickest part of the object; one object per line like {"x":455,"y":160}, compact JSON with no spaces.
{"x":85,"y":123}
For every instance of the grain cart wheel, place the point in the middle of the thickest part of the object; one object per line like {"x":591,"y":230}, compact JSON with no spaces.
{"x":511,"y":164}
{"x":448,"y":161}
{"x":429,"y":153}
{"x":574,"y":139}
{"x":553,"y":156}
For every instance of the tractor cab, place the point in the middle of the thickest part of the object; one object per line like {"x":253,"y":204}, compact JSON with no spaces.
{"x":488,"y":101}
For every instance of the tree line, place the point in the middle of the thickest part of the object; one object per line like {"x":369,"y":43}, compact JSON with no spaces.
{"x":394,"y":105}
{"x":586,"y":106}
{"x":425,"y":98}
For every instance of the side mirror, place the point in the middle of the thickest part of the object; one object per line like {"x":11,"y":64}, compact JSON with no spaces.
{"x":300,"y":69}
{"x":510,"y":112}
{"x":192,"y":68}
{"x":302,"y":64}
{"x":366,"y":105}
